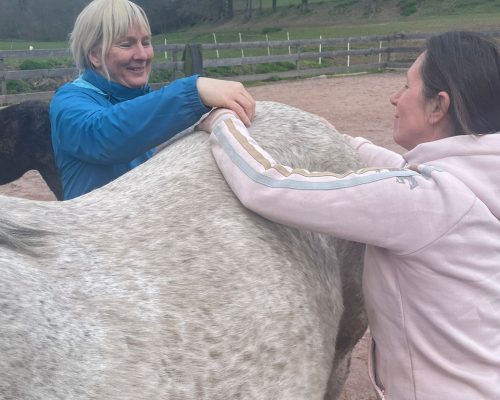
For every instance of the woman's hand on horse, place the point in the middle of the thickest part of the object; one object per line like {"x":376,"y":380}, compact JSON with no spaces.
{"x":227,"y":94}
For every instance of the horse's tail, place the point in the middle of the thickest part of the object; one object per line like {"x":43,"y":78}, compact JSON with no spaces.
{"x":18,"y":238}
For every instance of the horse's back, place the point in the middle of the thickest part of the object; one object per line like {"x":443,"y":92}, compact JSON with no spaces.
{"x":161,"y":285}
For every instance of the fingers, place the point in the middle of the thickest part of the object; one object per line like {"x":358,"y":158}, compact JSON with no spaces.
{"x":247,"y":107}
{"x":242,"y":113}
{"x":227,"y":94}
{"x":243,"y":105}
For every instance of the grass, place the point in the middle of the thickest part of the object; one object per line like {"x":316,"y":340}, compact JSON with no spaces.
{"x":328,"y":19}
{"x":257,"y":32}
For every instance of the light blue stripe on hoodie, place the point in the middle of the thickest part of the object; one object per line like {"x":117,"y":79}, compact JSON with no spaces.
{"x":341,"y":183}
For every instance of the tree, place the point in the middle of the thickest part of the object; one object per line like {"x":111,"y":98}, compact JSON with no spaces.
{"x":371,"y":7}
{"x":227,"y":9}
{"x":167,"y":15}
{"x":274,"y":5}
{"x":304,"y":7}
{"x":248,"y":9}
{"x":42,"y":20}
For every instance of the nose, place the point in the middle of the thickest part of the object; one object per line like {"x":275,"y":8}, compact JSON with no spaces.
{"x":141,"y":52}
{"x":393,"y":98}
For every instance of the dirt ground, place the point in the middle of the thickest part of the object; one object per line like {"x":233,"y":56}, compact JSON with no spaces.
{"x":357,"y":105}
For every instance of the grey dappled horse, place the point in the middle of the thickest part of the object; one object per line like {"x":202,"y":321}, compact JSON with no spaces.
{"x":25,"y":144}
{"x":160,"y":285}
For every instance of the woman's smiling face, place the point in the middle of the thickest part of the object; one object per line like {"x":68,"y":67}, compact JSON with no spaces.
{"x":129,"y":59}
{"x":410,"y":122}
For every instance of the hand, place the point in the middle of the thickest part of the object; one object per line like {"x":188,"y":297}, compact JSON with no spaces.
{"x":207,"y":124}
{"x":227,"y":94}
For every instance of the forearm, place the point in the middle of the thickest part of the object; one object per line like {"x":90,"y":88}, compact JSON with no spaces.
{"x":346,"y":206}
{"x":372,"y":155}
{"x":90,"y":128}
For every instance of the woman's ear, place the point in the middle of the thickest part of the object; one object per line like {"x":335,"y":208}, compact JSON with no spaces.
{"x":95,"y":58}
{"x":439,"y":107}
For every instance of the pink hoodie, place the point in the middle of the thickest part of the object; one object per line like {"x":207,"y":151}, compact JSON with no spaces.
{"x":430,"y":219}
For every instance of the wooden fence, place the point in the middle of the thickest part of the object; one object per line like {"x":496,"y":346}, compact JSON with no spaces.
{"x":310,"y":57}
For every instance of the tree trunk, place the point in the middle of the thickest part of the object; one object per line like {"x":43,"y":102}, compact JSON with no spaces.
{"x":304,"y":6}
{"x":227,"y":9}
{"x":248,"y":12}
{"x":274,"y":5}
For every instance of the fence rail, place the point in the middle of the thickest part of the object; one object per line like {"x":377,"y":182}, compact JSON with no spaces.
{"x":334,"y":56}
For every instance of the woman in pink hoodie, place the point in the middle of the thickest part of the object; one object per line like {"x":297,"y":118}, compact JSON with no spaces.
{"x":429,"y":217}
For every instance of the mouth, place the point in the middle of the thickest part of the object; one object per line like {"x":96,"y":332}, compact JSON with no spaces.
{"x":137,"y":70}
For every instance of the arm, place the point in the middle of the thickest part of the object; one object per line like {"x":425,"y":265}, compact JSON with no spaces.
{"x":90,"y":128}
{"x":372,"y":155}
{"x":390,"y":208}
{"x":227,"y":94}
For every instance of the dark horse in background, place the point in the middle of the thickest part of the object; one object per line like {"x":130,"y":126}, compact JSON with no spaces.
{"x":25,"y":144}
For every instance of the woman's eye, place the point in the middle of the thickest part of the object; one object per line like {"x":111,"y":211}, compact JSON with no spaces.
{"x":147,"y":43}
{"x":124,"y":44}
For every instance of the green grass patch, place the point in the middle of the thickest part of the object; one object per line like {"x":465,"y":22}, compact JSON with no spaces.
{"x":17,"y":86}
{"x":326,"y":19}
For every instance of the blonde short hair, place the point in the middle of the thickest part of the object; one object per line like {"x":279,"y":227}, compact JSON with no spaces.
{"x":101,"y":23}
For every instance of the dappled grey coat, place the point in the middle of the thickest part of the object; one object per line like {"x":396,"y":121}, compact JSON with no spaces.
{"x":161,"y":285}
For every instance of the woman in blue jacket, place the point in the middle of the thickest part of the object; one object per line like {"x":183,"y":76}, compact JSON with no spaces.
{"x":107,"y":121}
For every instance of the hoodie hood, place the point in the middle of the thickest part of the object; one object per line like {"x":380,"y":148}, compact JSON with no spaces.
{"x":474,"y":159}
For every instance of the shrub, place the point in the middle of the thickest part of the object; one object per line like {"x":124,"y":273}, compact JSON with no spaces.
{"x":271,"y":29}
{"x":163,"y":75}
{"x":407,"y":7}
{"x":17,"y":86}
{"x":37,"y":64}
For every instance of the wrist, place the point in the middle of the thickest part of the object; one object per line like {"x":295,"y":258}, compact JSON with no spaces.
{"x":222,"y":115}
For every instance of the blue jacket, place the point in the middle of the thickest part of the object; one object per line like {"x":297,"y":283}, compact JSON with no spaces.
{"x":101,"y":129}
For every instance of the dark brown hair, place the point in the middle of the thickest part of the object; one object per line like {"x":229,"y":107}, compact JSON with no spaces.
{"x":466,"y":65}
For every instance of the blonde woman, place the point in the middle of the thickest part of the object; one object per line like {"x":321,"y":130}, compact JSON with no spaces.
{"x":107,"y":121}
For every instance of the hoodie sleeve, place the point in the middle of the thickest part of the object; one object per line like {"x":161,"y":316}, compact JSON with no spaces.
{"x":372,"y":155}
{"x":398,"y":209}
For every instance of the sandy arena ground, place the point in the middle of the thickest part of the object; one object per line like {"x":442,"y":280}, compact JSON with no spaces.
{"x":357,"y":105}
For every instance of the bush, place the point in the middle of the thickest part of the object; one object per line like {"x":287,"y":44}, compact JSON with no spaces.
{"x":274,"y":67}
{"x":17,"y":86}
{"x":271,"y":29}
{"x":37,"y":64}
{"x":407,"y":7}
{"x":160,"y":75}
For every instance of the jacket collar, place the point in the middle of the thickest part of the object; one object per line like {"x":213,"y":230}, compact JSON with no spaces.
{"x":116,"y":92}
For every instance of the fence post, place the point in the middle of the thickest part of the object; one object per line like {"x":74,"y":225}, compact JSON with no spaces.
{"x":242,"y":52}
{"x":388,"y":54}
{"x":3,"y":83}
{"x":297,"y":50}
{"x":319,"y":59}
{"x":215,"y":42}
{"x":174,"y":60}
{"x":348,"y":54}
